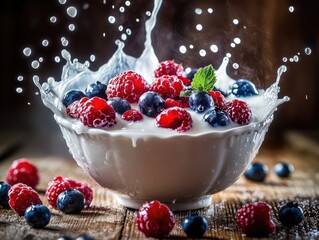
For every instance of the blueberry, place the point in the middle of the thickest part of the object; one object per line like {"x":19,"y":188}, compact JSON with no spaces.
{"x":283,"y":169}
{"x":151,"y":104}
{"x":216,"y":118}
{"x":200,"y":101}
{"x":195,"y":226}
{"x":71,"y":201}
{"x":72,"y":96}
{"x":96,"y":90}
{"x":290,"y":214}
{"x":256,"y":172}
{"x":4,"y":198}
{"x":84,"y":237}
{"x":120,"y":105}
{"x":37,"y":216}
{"x":243,"y":88}
{"x":190,"y":73}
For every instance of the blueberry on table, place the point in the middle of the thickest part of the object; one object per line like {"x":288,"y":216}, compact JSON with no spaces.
{"x":216,"y":118}
{"x":71,"y":201}
{"x":200,"y":101}
{"x":37,"y":216}
{"x":71,"y":97}
{"x":290,"y":214}
{"x":151,"y":104}
{"x":195,"y":226}
{"x":120,"y":105}
{"x":97,"y":89}
{"x":283,"y":169}
{"x":256,"y":172}
{"x":243,"y":88}
{"x":4,"y":198}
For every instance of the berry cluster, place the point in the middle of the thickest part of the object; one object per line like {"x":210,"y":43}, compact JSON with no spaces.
{"x":170,"y":97}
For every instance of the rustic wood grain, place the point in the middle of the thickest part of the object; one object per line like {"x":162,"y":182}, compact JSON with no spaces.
{"x":106,"y":219}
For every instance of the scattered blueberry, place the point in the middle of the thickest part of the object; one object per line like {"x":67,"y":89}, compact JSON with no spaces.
{"x":37,"y":216}
{"x":71,"y":201}
{"x":290,"y":214}
{"x":96,"y":90}
{"x":195,"y":226}
{"x":243,"y":88}
{"x":151,"y":104}
{"x":200,"y":101}
{"x":120,"y":105}
{"x":4,"y":198}
{"x":216,"y":118}
{"x":256,"y":172}
{"x":283,"y":169}
{"x":190,"y":72}
{"x":84,"y":237}
{"x":72,"y":96}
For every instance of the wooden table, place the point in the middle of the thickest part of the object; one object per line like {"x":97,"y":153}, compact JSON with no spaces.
{"x":106,"y":219}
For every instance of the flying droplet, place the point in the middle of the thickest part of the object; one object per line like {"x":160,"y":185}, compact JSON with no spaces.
{"x":291,"y":9}
{"x":210,"y":10}
{"x":111,"y":19}
{"x":128,"y":31}
{"x":214,"y":48}
{"x":19,"y":90}
{"x":86,"y":6}
{"x":57,"y":59}
{"x":27,"y":51}
{"x":123,"y":36}
{"x":228,"y":55}
{"x":62,"y":1}
{"x":40,"y":59}
{"x":127,"y":3}
{"x":64,"y":41}
{"x":71,"y":27}
{"x":72,"y":11}
{"x":182,"y":49}
{"x":235,"y":21}
{"x":120,"y":28}
{"x":45,"y":43}
{"x":235,"y":65}
{"x":122,"y":9}
{"x":237,"y":40}
{"x":233,"y":45}
{"x":137,"y":20}
{"x":53,"y":19}
{"x":104,"y":34}
{"x":148,"y":13}
{"x":291,"y":59}
{"x":308,"y":51}
{"x":35,"y":64}
{"x":20,"y":78}
{"x":198,"y":11}
{"x":191,"y":46}
{"x":296,"y":58}
{"x":202,"y":53}
{"x":284,"y":59}
{"x":92,"y":58}
{"x":199,"y":27}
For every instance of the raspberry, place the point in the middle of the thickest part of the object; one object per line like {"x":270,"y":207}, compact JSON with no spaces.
{"x":254,"y":220}
{"x":167,"y":86}
{"x":175,"y":118}
{"x":132,"y":115}
{"x":127,"y":85}
{"x":169,"y":103}
{"x":239,"y":112}
{"x":21,"y":196}
{"x":23,"y":171}
{"x":96,"y":112}
{"x":155,"y":219}
{"x":60,"y":184}
{"x":219,"y":99}
{"x":75,"y":108}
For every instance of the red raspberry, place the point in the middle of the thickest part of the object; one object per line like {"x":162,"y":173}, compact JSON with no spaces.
{"x":167,"y":86}
{"x":239,"y":112}
{"x":132,"y":115}
{"x":175,"y":118}
{"x":127,"y":85}
{"x":96,"y":112}
{"x":23,"y":171}
{"x":169,"y":103}
{"x":21,"y":196}
{"x":254,"y":220}
{"x":60,"y":184}
{"x":75,"y":108}
{"x":219,"y":99}
{"x":155,"y":219}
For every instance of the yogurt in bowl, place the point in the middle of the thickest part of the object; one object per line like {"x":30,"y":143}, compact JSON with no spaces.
{"x":140,"y":161}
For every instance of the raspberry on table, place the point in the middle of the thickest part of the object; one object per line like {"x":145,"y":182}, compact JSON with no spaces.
{"x":239,"y":112}
{"x":21,"y":196}
{"x":132,"y":115}
{"x":219,"y":99}
{"x":155,"y":219}
{"x":175,"y":118}
{"x":128,"y":85}
{"x":254,"y":220}
{"x":84,"y":188}
{"x":23,"y":171}
{"x":96,"y":113}
{"x":167,"y":86}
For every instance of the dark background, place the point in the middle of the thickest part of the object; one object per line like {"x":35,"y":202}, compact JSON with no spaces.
{"x":271,"y":33}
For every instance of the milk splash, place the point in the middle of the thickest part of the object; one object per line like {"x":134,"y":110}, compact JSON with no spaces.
{"x":76,"y":75}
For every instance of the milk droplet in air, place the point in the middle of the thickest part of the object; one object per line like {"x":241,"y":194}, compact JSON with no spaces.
{"x":210,"y":10}
{"x":235,"y":21}
{"x":57,"y":59}
{"x":214,"y":48}
{"x":296,"y":58}
{"x":191,"y":46}
{"x":127,"y":3}
{"x":291,"y":9}
{"x":20,"y":78}
{"x":137,"y":20}
{"x":198,"y":11}
{"x":71,"y":27}
{"x":148,"y":13}
{"x":86,"y":6}
{"x":123,"y":36}
{"x":199,"y":27}
{"x":64,"y":41}
{"x":128,"y":31}
{"x":19,"y":90}
{"x":40,"y":59}
{"x":27,"y":51}
{"x":53,"y":19}
{"x":45,"y":43}
{"x":62,"y":1}
{"x":92,"y":58}
{"x":122,"y":9}
{"x":228,"y":55}
{"x":233,"y":45}
{"x":182,"y":49}
{"x":111,"y":19}
{"x":237,"y":40}
{"x":284,"y":59}
{"x":71,"y":11}
{"x":120,"y":28}
{"x":35,"y":64}
{"x":202,"y":53}
{"x":308,"y":51}
{"x":235,"y":65}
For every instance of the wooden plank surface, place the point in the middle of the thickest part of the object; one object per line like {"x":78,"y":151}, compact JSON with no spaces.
{"x":106,"y":219}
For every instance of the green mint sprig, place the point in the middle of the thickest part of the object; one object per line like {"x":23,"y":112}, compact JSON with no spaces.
{"x":204,"y":79}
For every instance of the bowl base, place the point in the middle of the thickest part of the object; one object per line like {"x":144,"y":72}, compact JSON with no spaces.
{"x":176,"y":205}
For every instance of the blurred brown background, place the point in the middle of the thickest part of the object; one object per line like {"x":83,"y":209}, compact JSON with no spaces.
{"x":267,"y":29}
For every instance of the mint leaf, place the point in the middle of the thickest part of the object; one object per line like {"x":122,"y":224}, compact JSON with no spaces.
{"x":186,"y":93}
{"x":204,"y":79}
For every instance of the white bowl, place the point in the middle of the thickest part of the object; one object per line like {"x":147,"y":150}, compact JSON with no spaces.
{"x":182,"y":170}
